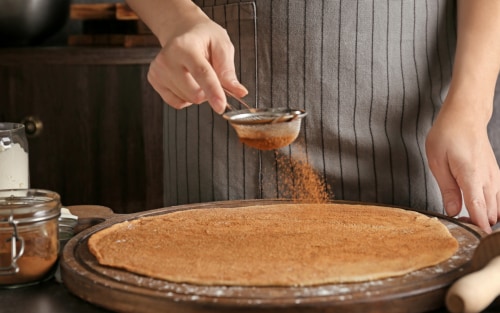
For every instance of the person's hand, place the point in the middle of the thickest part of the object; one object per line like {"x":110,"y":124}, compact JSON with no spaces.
{"x":196,"y":61}
{"x":463,"y":162}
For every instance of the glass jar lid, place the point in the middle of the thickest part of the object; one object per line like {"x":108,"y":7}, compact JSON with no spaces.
{"x":28,"y":205}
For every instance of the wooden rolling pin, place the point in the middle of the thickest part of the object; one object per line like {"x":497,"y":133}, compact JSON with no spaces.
{"x":476,"y":291}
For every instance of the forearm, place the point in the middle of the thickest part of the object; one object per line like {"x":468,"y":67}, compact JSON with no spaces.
{"x":477,"y":59}
{"x":162,"y":16}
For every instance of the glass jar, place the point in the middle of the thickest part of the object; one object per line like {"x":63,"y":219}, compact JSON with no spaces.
{"x":29,"y":240}
{"x":14,"y":163}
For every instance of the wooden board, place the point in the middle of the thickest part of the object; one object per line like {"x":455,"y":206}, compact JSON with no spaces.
{"x":101,"y":11}
{"x":122,"y":291}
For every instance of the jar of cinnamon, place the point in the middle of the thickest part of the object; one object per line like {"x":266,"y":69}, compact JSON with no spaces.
{"x":29,"y":242}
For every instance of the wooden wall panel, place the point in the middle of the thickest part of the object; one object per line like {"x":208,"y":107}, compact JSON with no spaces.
{"x":102,"y":128}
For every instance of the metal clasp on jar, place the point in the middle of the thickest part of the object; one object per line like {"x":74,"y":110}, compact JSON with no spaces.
{"x":13,"y":268}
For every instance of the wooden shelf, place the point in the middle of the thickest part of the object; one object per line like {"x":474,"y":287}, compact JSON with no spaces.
{"x":77,"y":55}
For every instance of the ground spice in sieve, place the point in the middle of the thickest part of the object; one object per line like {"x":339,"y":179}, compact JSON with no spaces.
{"x":268,"y":143}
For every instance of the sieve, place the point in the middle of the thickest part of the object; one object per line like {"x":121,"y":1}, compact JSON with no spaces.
{"x":265,"y":128}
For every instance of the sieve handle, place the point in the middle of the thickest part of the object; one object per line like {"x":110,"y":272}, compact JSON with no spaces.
{"x":235,"y":98}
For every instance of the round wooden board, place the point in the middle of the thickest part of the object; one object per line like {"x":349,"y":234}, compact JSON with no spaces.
{"x":122,"y":291}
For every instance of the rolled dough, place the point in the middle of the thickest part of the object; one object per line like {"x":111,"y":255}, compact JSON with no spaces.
{"x":276,"y":245}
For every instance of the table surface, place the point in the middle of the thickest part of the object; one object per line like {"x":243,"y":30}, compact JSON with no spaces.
{"x":53,"y":297}
{"x":47,"y":297}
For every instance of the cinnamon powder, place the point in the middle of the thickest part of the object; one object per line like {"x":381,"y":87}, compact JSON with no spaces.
{"x":299,"y":181}
{"x":268,"y":143}
{"x":41,"y":248}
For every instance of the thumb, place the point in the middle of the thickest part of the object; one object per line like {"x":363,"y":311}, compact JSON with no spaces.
{"x":450,"y":190}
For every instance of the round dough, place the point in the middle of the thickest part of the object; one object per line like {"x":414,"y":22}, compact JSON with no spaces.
{"x":276,"y":245}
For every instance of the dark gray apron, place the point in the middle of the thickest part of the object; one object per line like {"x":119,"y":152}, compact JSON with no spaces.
{"x":372,"y":76}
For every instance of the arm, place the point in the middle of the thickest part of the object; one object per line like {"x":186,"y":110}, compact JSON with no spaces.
{"x":197,"y":56}
{"x":458,"y":149}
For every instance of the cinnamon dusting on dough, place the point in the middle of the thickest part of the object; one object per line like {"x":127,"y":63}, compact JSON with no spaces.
{"x":276,"y":245}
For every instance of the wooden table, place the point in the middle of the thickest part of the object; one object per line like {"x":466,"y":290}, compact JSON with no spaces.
{"x":121,"y":290}
{"x":53,"y":297}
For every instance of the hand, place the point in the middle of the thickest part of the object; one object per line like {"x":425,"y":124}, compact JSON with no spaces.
{"x":462,"y":161}
{"x":196,"y":60}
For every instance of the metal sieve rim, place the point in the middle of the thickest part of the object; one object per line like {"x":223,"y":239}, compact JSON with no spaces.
{"x":263,"y":115}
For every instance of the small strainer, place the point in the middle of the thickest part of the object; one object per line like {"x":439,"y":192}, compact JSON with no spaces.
{"x":266,"y":128}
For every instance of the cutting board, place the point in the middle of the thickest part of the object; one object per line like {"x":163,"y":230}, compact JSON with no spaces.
{"x":122,"y":291}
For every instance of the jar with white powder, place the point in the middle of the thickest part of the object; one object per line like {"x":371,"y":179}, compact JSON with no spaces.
{"x":14,"y":162}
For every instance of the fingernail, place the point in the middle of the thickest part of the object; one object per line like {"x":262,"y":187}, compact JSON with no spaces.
{"x":488,"y":229}
{"x":236,"y":83}
{"x":452,"y":208}
{"x":218,"y":105}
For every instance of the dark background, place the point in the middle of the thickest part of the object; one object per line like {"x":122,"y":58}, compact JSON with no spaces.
{"x":72,"y":27}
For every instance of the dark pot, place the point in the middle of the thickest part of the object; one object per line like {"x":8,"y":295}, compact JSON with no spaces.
{"x":29,"y":22}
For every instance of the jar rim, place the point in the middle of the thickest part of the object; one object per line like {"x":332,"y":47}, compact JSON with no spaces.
{"x":8,"y":126}
{"x":28,"y":205}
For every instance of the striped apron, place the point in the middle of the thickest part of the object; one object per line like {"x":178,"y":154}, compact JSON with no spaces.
{"x":372,"y":75}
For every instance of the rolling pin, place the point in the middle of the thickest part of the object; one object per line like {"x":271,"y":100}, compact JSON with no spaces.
{"x":476,"y":291}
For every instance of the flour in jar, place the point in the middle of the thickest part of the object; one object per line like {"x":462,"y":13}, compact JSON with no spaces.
{"x":14,"y":166}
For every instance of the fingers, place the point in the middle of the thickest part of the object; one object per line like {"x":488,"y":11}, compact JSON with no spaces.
{"x":464,"y":165}
{"x":481,"y":202}
{"x":193,"y":67}
{"x":490,"y":195}
{"x":173,"y":82}
{"x":450,"y":190}
{"x":482,"y":192}
{"x":498,"y":206}
{"x":193,"y":80}
{"x":220,"y":72}
{"x":205,"y":76}
{"x":223,"y":64}
{"x":481,"y":196}
{"x":477,"y":206}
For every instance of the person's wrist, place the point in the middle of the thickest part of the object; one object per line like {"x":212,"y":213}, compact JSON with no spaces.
{"x":179,"y":13}
{"x":470,"y":102}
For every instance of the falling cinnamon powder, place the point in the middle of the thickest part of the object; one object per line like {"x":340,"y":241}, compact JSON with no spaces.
{"x":299,"y":181}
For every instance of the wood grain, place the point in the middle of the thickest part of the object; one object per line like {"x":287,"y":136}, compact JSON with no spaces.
{"x":92,"y":11}
{"x":99,"y":11}
{"x":102,"y":137}
{"x":119,"y":290}
{"x":124,"y":12}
